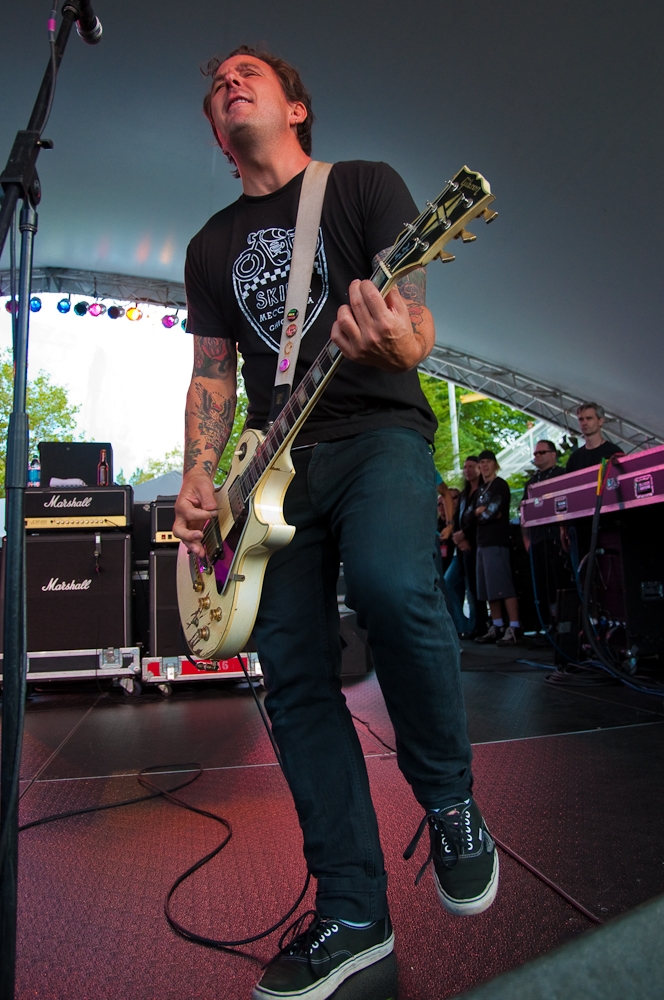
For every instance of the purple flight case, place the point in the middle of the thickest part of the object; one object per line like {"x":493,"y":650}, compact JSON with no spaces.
{"x":635,"y":480}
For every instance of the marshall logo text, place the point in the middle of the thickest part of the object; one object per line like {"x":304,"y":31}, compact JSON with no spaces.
{"x":55,"y":501}
{"x":55,"y":583}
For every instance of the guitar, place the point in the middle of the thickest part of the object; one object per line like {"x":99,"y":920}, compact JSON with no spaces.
{"x":218,"y":596}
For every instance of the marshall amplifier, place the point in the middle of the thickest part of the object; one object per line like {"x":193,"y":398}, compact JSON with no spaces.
{"x":100,"y":507}
{"x":163,"y":514}
{"x":78,"y":591}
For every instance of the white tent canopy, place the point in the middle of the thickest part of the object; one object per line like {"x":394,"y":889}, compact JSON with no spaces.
{"x":557,"y":104}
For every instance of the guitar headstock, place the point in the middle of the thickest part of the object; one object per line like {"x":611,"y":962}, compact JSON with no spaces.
{"x":464,"y":198}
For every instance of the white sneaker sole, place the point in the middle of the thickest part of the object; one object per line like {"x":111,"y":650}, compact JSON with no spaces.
{"x":326,"y":987}
{"x":471,"y":907}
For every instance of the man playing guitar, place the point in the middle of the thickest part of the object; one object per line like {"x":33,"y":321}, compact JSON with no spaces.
{"x":364,"y":492}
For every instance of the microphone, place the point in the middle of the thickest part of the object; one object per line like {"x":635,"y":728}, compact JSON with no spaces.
{"x":88,"y":25}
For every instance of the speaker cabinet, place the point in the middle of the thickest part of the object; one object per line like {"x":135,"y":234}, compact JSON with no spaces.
{"x":78,"y":591}
{"x":165,"y":639}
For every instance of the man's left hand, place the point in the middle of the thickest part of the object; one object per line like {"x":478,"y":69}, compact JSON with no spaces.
{"x":389,"y":333}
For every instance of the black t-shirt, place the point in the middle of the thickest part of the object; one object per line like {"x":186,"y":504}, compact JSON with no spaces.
{"x":236,"y":278}
{"x":493,"y":523}
{"x":465,"y":517}
{"x":585,"y":458}
{"x":543,"y":532}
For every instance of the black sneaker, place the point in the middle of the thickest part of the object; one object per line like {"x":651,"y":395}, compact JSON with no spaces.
{"x":317,"y":959}
{"x":493,"y":634}
{"x":465,"y":859}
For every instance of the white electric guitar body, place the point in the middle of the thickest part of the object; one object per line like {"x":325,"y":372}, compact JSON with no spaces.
{"x":219,"y":595}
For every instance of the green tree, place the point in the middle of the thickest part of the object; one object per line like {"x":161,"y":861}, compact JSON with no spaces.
{"x":483,"y":423}
{"x":52,"y":417}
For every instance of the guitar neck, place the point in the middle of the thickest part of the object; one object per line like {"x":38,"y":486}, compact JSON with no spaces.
{"x":464,"y":198}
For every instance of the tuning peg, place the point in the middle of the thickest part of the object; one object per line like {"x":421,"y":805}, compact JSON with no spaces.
{"x":465,"y":236}
{"x":446,"y":257}
{"x":489,"y":215}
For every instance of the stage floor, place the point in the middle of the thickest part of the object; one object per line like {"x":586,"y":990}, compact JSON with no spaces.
{"x":568,"y":778}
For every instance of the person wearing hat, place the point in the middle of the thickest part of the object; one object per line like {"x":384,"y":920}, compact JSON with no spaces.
{"x":494,"y":572}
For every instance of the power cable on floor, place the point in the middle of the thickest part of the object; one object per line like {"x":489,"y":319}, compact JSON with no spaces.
{"x":154,"y":791}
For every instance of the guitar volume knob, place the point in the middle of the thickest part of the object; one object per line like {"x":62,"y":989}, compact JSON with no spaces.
{"x":204,"y":633}
{"x":215,"y":614}
{"x":204,"y":603}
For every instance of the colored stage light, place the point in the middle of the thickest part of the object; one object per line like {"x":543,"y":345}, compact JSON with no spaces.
{"x":169,"y":321}
{"x":97,"y":309}
{"x":115,"y":312}
{"x":11,"y":307}
{"x":64,"y":305}
{"x":35,"y":304}
{"x":134,"y":314}
{"x":183,"y":324}
{"x":81,"y":308}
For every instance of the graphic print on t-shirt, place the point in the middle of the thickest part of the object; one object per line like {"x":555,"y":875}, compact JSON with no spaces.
{"x":260,"y":282}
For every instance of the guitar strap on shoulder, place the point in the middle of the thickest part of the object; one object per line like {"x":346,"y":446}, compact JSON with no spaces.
{"x":305,"y":241}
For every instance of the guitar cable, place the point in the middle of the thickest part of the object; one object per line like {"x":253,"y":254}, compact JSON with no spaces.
{"x":155,"y":791}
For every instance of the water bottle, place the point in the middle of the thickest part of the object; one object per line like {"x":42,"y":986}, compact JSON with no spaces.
{"x":34,"y":472}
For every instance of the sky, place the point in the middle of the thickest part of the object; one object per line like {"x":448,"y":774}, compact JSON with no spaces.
{"x":558,"y":104}
{"x":129,"y":379}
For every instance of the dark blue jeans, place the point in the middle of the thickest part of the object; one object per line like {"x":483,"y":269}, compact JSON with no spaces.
{"x":369,"y":501}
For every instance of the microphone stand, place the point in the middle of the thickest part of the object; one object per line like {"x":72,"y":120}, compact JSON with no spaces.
{"x":20,"y":182}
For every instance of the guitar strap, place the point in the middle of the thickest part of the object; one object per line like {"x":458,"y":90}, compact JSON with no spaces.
{"x":305,"y":241}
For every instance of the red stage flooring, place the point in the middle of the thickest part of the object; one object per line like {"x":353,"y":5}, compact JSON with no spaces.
{"x":565,"y":778}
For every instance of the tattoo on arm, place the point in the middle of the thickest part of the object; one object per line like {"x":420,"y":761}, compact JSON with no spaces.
{"x":214,"y":357}
{"x":412,"y":288}
{"x":212,"y":415}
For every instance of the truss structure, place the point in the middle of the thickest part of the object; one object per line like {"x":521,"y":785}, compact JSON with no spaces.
{"x":97,"y":284}
{"x":542,"y":401}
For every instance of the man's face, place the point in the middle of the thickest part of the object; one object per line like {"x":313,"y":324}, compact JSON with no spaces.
{"x":589,"y":422}
{"x":544,"y":457}
{"x":487,"y":467}
{"x":247,"y":97}
{"x":471,"y":471}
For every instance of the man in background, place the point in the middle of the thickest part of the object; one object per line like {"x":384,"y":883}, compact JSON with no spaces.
{"x":542,"y":541}
{"x":596,"y":446}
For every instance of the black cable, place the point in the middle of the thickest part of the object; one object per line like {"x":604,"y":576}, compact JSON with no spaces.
{"x":156,"y":792}
{"x":604,"y":661}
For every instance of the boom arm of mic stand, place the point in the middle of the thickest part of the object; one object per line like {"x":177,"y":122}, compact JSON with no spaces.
{"x":19,"y":178}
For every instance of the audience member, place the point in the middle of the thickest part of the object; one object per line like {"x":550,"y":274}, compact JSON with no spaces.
{"x":596,"y":446}
{"x":494,"y":572}
{"x":543,"y":540}
{"x":461,"y":577}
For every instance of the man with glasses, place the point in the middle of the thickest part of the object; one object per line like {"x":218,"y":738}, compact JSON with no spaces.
{"x":543,"y":540}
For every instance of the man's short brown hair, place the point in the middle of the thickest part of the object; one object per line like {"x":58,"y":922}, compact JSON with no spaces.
{"x":291,"y":84}
{"x":599,"y":410}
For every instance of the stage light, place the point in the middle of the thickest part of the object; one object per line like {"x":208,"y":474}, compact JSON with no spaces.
{"x":134,"y":314}
{"x":97,"y":309}
{"x":115,"y":312}
{"x":183,"y":324}
{"x":169,"y":321}
{"x":11,"y":307}
{"x":35,"y":304}
{"x":64,"y":305}
{"x":81,"y":308}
